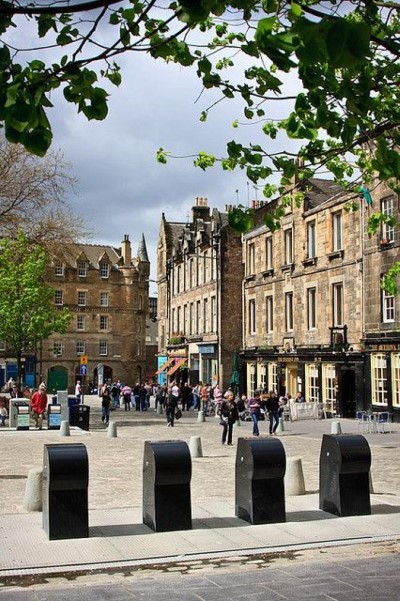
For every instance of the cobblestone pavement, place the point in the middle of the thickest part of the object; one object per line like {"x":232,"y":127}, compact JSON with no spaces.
{"x":357,"y":572}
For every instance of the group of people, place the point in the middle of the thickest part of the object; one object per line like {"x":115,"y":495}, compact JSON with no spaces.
{"x":115,"y":394}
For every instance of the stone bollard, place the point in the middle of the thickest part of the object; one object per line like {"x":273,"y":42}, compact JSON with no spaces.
{"x":195,"y":447}
{"x":336,"y":428}
{"x":294,"y":478}
{"x":112,"y":430}
{"x":237,"y":422}
{"x":33,"y":490}
{"x":64,"y":428}
{"x":201,"y":417}
{"x":281,"y":425}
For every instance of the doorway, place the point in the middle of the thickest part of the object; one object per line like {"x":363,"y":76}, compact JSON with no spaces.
{"x":347,"y":396}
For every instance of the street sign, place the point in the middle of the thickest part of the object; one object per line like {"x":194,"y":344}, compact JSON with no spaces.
{"x":84,"y":359}
{"x":83,"y":370}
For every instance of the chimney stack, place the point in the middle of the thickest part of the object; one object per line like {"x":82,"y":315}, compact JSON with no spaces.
{"x":126,"y":250}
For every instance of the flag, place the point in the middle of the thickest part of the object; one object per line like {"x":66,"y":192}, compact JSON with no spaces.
{"x":366,"y":195}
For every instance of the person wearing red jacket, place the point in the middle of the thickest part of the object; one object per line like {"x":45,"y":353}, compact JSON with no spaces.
{"x":39,"y":405}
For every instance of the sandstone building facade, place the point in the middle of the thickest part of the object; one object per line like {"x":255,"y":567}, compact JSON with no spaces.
{"x":200,"y":276}
{"x":106,"y":289}
{"x":316,"y":320}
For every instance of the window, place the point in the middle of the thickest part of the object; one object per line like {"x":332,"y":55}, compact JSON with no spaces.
{"x":191,"y":273}
{"x":269,"y":257}
{"x":207,"y":266}
{"x":82,"y":269}
{"x":80,"y":348}
{"x":80,"y":322}
{"x":288,"y":242}
{"x":251,"y":259}
{"x":57,"y":348}
{"x":311,"y":308}
{"x":206,"y":323}
{"x":178,"y":279}
{"x":179,"y":319}
{"x":104,"y":270}
{"x":272,"y":376}
{"x":213,"y":314}
{"x":262,"y":376}
{"x":191,"y":319}
{"x":58,"y":297}
{"x":103,"y":299}
{"x":387,"y":208}
{"x":58,"y":268}
{"x":252,"y":317}
{"x":337,"y":299}
{"x":173,"y":318}
{"x":329,"y":385}
{"x":103,"y":322}
{"x":388,"y":306}
{"x":311,"y":240}
{"x":198,"y":317}
{"x":251,"y":379}
{"x":81,"y":298}
{"x":185,"y":319}
{"x":269,"y":314}
{"x":103,"y":348}
{"x":379,"y":378}
{"x":289,"y":311}
{"x":396,"y":379}
{"x":312,"y":384}
{"x":337,"y":231}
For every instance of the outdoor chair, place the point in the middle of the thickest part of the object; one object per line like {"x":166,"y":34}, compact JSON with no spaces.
{"x":363,"y":421}
{"x":383,"y":421}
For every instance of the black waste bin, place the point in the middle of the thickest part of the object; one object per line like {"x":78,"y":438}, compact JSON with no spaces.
{"x":79,"y":416}
{"x":259,"y":486}
{"x":167,"y":471}
{"x":54,"y":416}
{"x":344,"y":465}
{"x":65,"y":491}
{"x":72,"y":400}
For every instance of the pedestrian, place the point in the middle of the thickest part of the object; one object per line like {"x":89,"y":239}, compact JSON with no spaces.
{"x":115,"y":392}
{"x":39,"y":405}
{"x":186,"y":395}
{"x":218,"y":398}
{"x":78,"y":391}
{"x":159,"y":396}
{"x":105,"y":404}
{"x":196,"y":397}
{"x":143,"y":398}
{"x":3,"y":414}
{"x":136,"y":397}
{"x":254,"y":406}
{"x":126,"y":397}
{"x":272,"y":408}
{"x":149,"y":391}
{"x":171,"y":404}
{"x":228,"y":416}
{"x":299,"y":398}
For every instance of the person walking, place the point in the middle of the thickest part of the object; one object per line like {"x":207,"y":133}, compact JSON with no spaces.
{"x":272,"y":408}
{"x":105,"y":404}
{"x":78,"y":391}
{"x":115,"y":392}
{"x":171,"y":404}
{"x":254,"y":406}
{"x":228,"y":416}
{"x":186,"y":395}
{"x":159,"y":396}
{"x":218,"y":398}
{"x":39,"y":405}
{"x":196,"y":397}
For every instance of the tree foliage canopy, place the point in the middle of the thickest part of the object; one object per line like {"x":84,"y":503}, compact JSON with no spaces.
{"x":27,"y":311}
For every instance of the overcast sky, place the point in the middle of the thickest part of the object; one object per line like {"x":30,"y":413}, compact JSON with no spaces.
{"x":121,"y":188}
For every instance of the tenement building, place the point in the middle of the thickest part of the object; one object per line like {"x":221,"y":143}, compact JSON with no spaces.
{"x":106,"y":290}
{"x":316,"y":319}
{"x":200,"y":276}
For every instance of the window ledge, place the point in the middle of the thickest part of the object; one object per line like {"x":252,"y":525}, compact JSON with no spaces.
{"x":267,"y":273}
{"x":250,"y":278}
{"x":288,"y":268}
{"x":336,"y":254}
{"x":385,"y":244}
{"x":310,"y":261}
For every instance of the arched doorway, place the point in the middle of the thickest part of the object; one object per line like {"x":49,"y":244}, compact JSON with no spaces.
{"x":57,"y":378}
{"x":102,"y":374}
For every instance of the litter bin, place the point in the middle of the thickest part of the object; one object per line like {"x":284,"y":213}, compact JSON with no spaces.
{"x":65,"y":491}
{"x":54,"y":416}
{"x":23,"y":415}
{"x":167,"y":471}
{"x":79,"y":416}
{"x":72,"y":400}
{"x":259,"y":486}
{"x":344,"y":465}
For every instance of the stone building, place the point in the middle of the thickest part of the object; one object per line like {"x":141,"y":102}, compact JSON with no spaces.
{"x":106,"y":289}
{"x":200,"y":276}
{"x":315,"y":318}
{"x":381,"y":309}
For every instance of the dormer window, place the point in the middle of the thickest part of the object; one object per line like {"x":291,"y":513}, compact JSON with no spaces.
{"x":104,"y":270}
{"x":82,"y":269}
{"x":58,"y":268}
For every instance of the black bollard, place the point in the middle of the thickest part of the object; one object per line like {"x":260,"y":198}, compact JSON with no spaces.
{"x":344,"y":465}
{"x":259,"y":488}
{"x":65,"y":491}
{"x":167,"y":471}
